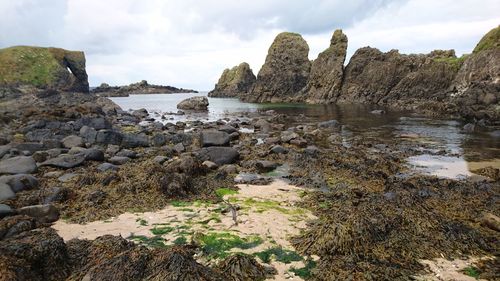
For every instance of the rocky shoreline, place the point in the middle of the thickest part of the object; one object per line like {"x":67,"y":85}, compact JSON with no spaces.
{"x":254,"y":196}
{"x":438,"y":83}
{"x":66,"y":156}
{"x":139,"y":88}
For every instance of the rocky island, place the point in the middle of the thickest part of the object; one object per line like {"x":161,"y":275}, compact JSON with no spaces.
{"x":89,"y":191}
{"x":139,"y":88}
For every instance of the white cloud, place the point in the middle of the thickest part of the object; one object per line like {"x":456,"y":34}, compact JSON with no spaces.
{"x":187,"y":43}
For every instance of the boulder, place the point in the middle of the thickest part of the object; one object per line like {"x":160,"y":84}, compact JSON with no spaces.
{"x":20,"y":182}
{"x":330,"y":124}
{"x":5,"y":211}
{"x":6,"y":192}
{"x":194,"y":103}
{"x":265,"y":166}
{"x":18,"y":165}
{"x":109,"y":137}
{"x":234,"y":82}
{"x":107,"y":167}
{"x":325,"y":80}
{"x":135,"y":140}
{"x":278,"y":149}
{"x":44,"y":68}
{"x":119,"y":160}
{"x":65,"y":161}
{"x":72,"y":141}
{"x":43,"y":213}
{"x":215,"y":138}
{"x":219,"y":155}
{"x":491,"y":221}
{"x":285,"y":71}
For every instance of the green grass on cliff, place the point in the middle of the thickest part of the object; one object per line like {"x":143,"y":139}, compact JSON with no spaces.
{"x":489,"y":41}
{"x":454,"y":62}
{"x":28,"y":65}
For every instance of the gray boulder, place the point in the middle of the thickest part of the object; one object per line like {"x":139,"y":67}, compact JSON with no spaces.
{"x":6,"y":192}
{"x":43,"y":213}
{"x":215,"y":138}
{"x":219,"y":155}
{"x":194,"y":103}
{"x":72,"y":141}
{"x":107,"y":167}
{"x":20,"y":182}
{"x":5,"y":211}
{"x":65,"y":161}
{"x":119,"y":160}
{"x":18,"y":165}
{"x":234,"y":82}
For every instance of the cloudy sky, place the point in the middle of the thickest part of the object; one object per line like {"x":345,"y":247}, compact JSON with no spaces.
{"x":187,"y":43}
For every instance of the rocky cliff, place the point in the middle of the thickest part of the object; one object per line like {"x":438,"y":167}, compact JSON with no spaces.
{"x":234,"y":82}
{"x":43,"y":68}
{"x":325,"y":80}
{"x":139,"y":88}
{"x":436,"y":83}
{"x":476,"y":87}
{"x":285,"y":71}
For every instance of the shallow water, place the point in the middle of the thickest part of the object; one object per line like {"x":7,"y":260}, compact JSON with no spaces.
{"x":446,"y":150}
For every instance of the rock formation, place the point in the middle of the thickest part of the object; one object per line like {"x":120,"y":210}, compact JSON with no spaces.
{"x":285,"y":71}
{"x":325,"y":80}
{"x":194,"y":103}
{"x":476,"y":88}
{"x":139,"y":88}
{"x":43,"y":68}
{"x":234,"y":82}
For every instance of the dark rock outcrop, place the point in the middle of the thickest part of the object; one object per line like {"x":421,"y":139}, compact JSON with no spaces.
{"x":43,"y":68}
{"x":139,"y":88}
{"x":285,"y":71}
{"x":325,"y":80}
{"x":234,"y":82}
{"x":476,"y":88}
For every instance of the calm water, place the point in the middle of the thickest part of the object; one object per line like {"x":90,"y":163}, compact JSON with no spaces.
{"x":462,"y":152}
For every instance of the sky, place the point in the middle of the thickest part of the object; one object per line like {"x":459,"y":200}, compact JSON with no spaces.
{"x":188,"y":43}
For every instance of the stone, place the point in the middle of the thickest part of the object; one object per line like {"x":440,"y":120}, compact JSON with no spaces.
{"x":5,"y":211}
{"x":119,"y":160}
{"x":330,"y":124}
{"x":57,"y":194}
{"x":91,"y":154}
{"x":265,"y":166}
{"x":325,"y":80}
{"x":65,"y":161}
{"x":43,"y":213}
{"x":278,"y":149}
{"x":140,"y":113}
{"x":215,"y":138}
{"x":219,"y":155}
{"x":469,"y":128}
{"x":234,"y":82}
{"x":491,"y":221}
{"x":127,"y":153}
{"x":6,"y":192}
{"x":72,"y":141}
{"x":158,"y":139}
{"x":107,"y":167}
{"x":134,"y":140}
{"x":229,"y":169}
{"x":20,"y":182}
{"x":194,"y":103}
{"x":378,"y":111}
{"x":109,"y":137}
{"x":300,"y":142}
{"x":88,"y":134}
{"x":179,"y":148}
{"x":18,"y":165}
{"x":67,"y":177}
{"x":312,"y":150}
{"x":30,"y":147}
{"x":210,"y":165}
{"x":160,"y":159}
{"x":4,"y":149}
{"x":228,"y":129}
{"x":285,"y":71}
{"x":287,"y":136}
